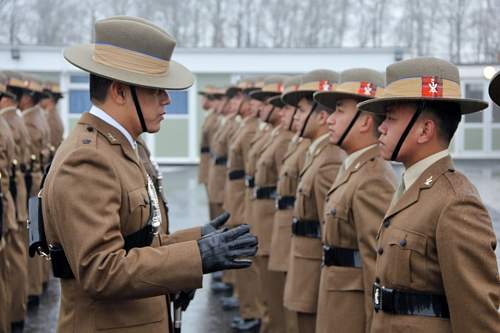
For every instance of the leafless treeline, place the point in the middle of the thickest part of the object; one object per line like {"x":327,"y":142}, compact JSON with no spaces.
{"x":461,"y":30}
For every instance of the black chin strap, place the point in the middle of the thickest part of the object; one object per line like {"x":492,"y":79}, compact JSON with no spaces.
{"x":138,"y":109}
{"x":303,"y":129}
{"x":349,"y":127}
{"x":291,"y":121}
{"x":407,"y":130}
{"x":270,"y":114}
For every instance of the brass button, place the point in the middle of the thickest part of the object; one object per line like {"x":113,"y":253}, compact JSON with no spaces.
{"x":333,"y":211}
{"x":402,"y":242}
{"x":380,"y":250}
{"x":387,"y":223}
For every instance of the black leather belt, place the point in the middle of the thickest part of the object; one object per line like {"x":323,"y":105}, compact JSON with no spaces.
{"x":205,"y":150}
{"x":285,"y":202}
{"x":306,"y":228}
{"x":405,"y":303}
{"x":236,"y":174}
{"x":337,"y":256}
{"x":249,"y":181}
{"x":220,"y":160}
{"x":268,"y":192}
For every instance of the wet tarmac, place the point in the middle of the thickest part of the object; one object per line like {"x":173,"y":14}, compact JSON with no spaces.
{"x":188,"y":208}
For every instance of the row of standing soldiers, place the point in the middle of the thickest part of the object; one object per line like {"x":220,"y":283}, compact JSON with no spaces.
{"x":342,"y":246}
{"x":30,"y":132}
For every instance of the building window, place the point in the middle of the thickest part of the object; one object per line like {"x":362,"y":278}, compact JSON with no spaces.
{"x":178,"y":103}
{"x":475,"y":91}
{"x":79,"y":101}
{"x":80,"y":78}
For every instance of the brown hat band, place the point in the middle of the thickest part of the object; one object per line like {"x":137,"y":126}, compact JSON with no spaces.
{"x":425,"y":86}
{"x":322,"y":85}
{"x":363,"y":88}
{"x":128,"y":60}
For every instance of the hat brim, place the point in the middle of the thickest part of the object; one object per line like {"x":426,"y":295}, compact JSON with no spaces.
{"x":293,"y":98}
{"x":276,"y":101}
{"x":330,"y":98}
{"x":263,"y":95}
{"x":379,"y":105}
{"x":494,"y":89}
{"x":177,"y":77}
{"x":232,"y":91}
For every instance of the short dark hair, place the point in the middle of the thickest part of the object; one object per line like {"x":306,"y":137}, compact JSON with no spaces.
{"x":446,"y":115}
{"x":377,"y":119}
{"x":98,"y":87}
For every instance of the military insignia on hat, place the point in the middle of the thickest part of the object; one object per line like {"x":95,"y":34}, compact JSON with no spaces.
{"x":324,"y":85}
{"x":367,"y":88}
{"x":432,"y":86}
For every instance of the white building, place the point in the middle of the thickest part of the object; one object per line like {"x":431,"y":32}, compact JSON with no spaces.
{"x":177,"y":142}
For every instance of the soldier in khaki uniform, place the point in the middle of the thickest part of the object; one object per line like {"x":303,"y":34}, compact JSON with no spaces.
{"x":9,"y":226}
{"x":207,"y":130}
{"x":323,"y":160}
{"x":100,"y":210}
{"x":436,"y":269}
{"x":19,"y":241}
{"x":292,"y":163}
{"x":28,"y":92}
{"x":355,"y":205}
{"x":234,"y":202}
{"x":266,"y":177}
{"x":51,"y":96}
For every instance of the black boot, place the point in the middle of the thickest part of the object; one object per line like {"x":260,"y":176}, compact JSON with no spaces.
{"x":230,"y":303}
{"x":33,"y":301}
{"x":236,"y":321}
{"x":221,"y":287}
{"x":17,"y":326}
{"x":217,"y":276}
{"x":248,"y":325}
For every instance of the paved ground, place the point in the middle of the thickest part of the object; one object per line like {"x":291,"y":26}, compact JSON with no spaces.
{"x":188,"y":208}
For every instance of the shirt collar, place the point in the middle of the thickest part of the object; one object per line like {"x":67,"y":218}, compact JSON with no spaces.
{"x":316,"y":142}
{"x":349,"y":160}
{"x":94,"y":110}
{"x":411,"y":174}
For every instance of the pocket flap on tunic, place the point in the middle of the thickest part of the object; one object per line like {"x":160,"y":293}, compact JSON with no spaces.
{"x":345,"y":278}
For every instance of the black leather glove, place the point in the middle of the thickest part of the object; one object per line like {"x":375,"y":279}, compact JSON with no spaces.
{"x":183,"y":298}
{"x":215,"y":224}
{"x":224,"y":249}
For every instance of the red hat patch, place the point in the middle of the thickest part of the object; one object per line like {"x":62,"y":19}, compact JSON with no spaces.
{"x":432,"y":86}
{"x":367,"y":88}
{"x":324,"y":85}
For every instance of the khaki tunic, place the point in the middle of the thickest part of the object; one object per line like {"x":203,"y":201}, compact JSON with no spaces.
{"x":18,"y":241}
{"x":354,"y":209}
{"x":218,"y":172}
{"x":288,"y":179}
{"x":266,"y":175}
{"x":207,"y":131}
{"x":94,"y":195}
{"x":56,"y":126}
{"x":234,"y":198}
{"x":317,"y":176}
{"x":438,"y":239}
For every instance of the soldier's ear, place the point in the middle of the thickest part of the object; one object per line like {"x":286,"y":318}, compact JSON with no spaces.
{"x":427,"y":130}
{"x":117,"y":91}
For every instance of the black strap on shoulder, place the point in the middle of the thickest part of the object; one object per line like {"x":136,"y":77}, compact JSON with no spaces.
{"x":138,"y":108}
{"x":303,"y":129}
{"x":291,"y":121}
{"x":349,"y":127}
{"x":395,"y":153}
{"x":270,"y":114}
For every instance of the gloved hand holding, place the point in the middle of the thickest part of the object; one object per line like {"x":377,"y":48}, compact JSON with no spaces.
{"x":183,"y":298}
{"x":215,"y":224}
{"x":225,"y":249}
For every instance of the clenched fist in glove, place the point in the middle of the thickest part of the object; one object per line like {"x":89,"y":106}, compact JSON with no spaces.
{"x":215,"y":224}
{"x":225,"y":249}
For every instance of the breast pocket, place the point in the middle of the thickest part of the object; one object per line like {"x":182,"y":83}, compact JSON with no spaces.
{"x":339,"y":230}
{"x":287,"y":183}
{"x":138,"y":201}
{"x":306,"y":203}
{"x":407,"y":262}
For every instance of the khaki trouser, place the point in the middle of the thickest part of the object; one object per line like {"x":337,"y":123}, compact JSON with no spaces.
{"x":247,"y":283}
{"x":4,"y":295}
{"x":306,"y":322}
{"x":271,"y":295}
{"x":17,"y":255}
